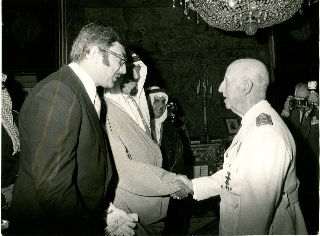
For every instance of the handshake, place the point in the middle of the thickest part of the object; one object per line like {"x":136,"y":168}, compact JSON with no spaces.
{"x":185,"y":187}
{"x":120,"y":223}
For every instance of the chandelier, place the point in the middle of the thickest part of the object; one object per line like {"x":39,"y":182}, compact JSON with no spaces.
{"x":242,"y":15}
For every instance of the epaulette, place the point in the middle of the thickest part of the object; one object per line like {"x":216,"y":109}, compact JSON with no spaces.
{"x":264,"y":119}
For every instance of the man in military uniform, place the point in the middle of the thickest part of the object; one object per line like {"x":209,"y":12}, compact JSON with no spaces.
{"x":258,"y":185}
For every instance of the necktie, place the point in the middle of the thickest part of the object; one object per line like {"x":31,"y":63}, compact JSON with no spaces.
{"x":146,"y":126}
{"x":97,"y":104}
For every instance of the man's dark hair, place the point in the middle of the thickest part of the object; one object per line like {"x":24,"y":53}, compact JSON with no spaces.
{"x":90,"y":35}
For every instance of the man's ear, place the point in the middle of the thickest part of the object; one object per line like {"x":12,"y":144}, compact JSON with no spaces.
{"x":247,"y":86}
{"x":93,"y":52}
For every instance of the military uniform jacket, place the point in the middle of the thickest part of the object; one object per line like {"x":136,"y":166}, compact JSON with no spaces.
{"x":258,"y":185}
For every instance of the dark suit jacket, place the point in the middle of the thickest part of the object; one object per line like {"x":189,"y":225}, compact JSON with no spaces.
{"x":306,"y":131}
{"x":175,"y":147}
{"x":65,"y":165}
{"x":306,"y":135}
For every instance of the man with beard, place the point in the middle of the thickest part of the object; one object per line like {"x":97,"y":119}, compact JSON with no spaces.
{"x":143,"y":187}
{"x":129,"y":94}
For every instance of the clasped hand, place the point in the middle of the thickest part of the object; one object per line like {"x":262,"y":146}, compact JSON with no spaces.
{"x":185,"y":187}
{"x":119,"y":223}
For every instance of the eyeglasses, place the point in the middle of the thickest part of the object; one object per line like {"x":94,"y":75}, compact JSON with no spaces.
{"x":122,"y":59}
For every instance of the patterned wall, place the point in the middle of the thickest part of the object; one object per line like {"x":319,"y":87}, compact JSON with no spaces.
{"x":179,"y":53}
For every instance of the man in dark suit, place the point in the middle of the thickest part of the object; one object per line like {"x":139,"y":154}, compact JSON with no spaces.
{"x":65,"y":166}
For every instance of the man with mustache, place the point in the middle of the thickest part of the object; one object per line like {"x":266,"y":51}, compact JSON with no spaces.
{"x":143,"y":186}
{"x":129,"y":93}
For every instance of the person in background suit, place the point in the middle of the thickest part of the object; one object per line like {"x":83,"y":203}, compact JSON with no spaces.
{"x":10,"y":151}
{"x":258,"y":185}
{"x":65,"y":163}
{"x":301,"y":113}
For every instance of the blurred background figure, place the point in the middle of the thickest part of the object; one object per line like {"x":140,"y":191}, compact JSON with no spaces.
{"x":10,"y":150}
{"x":158,"y":100}
{"x":301,"y":113}
{"x":170,"y":134}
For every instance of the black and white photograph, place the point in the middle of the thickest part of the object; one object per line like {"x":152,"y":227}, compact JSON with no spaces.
{"x":159,"y":117}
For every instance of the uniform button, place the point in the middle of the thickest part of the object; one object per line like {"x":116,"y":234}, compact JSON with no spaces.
{"x":226,"y":155}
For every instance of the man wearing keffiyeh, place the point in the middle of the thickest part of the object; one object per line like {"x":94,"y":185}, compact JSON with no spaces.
{"x":10,"y":148}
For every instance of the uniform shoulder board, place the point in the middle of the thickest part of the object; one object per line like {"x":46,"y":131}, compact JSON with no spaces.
{"x":264,"y":119}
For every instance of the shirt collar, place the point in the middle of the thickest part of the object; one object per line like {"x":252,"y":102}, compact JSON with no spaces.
{"x":86,"y":80}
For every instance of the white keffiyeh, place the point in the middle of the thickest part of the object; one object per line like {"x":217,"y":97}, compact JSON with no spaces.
{"x":7,"y":118}
{"x":156,"y":123}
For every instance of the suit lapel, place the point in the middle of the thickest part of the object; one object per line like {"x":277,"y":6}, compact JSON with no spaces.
{"x":74,"y":82}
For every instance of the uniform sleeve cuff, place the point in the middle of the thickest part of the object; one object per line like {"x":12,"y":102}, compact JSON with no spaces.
{"x":198,"y":187}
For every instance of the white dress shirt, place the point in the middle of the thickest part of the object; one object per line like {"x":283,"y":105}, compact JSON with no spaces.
{"x":88,"y":84}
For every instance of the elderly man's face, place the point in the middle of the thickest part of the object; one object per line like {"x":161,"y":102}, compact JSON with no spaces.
{"x":230,"y":89}
{"x":159,"y":106}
